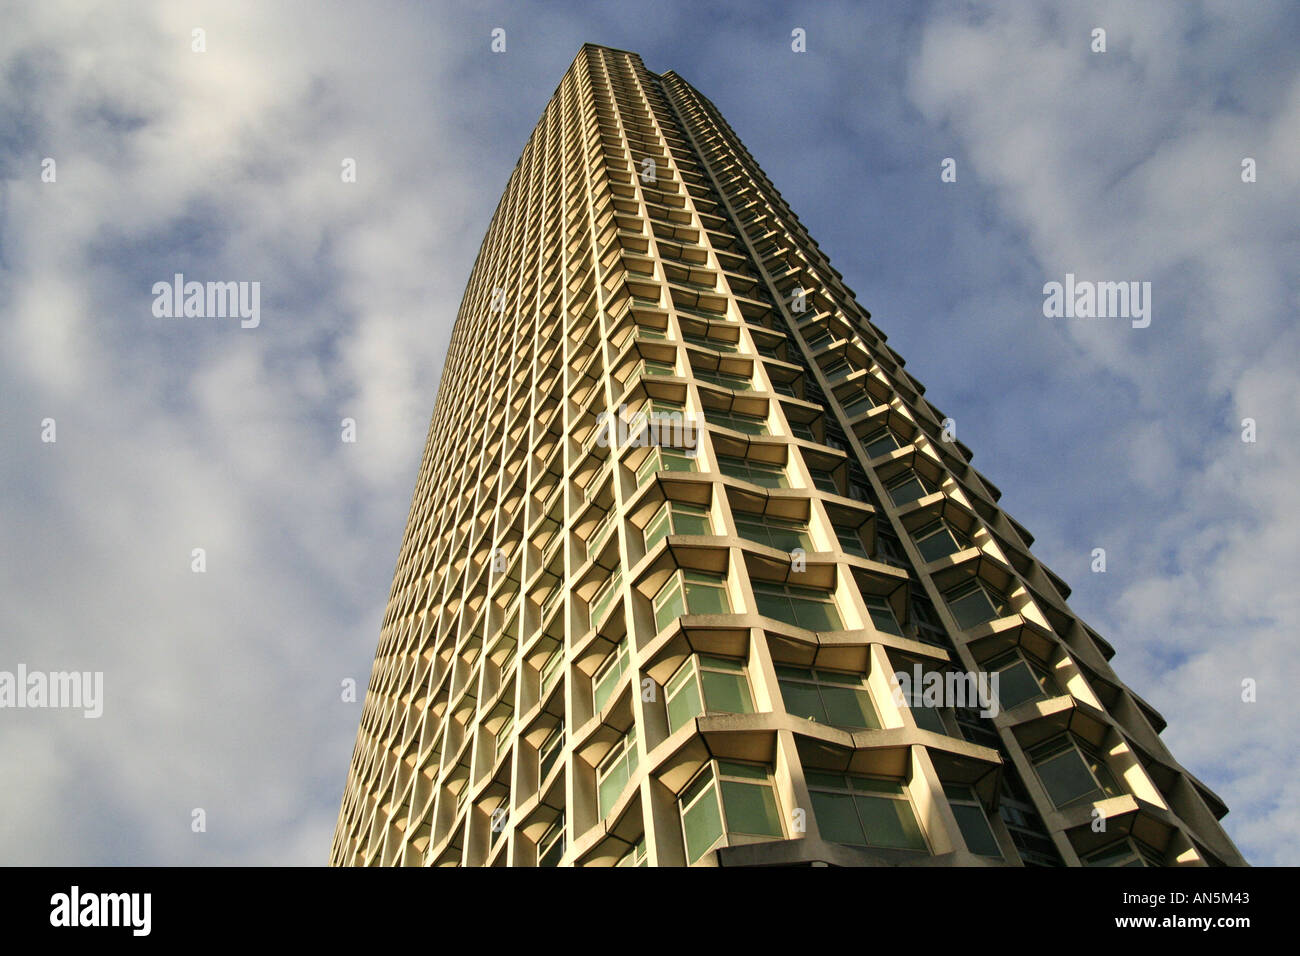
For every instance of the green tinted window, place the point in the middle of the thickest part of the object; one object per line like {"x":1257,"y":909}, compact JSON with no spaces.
{"x":615,"y":770}
{"x":683,"y":696}
{"x":970,"y":605}
{"x":607,"y":675}
{"x":603,"y":599}
{"x":936,"y":540}
{"x":706,"y":594}
{"x":864,"y":811}
{"x":828,"y":697}
{"x":751,"y":808}
{"x":906,"y":489}
{"x":774,"y":532}
{"x":766,"y":474}
{"x":880,"y":442}
{"x":975,"y":830}
{"x":725,"y":690}
{"x":676,"y":517}
{"x":657,"y":529}
{"x":663,"y":459}
{"x":859,"y":406}
{"x":690,"y":593}
{"x":803,"y":607}
{"x":882,"y":614}
{"x":1021,"y":680}
{"x":701,"y":816}
{"x":690,"y":519}
{"x":748,"y":424}
{"x":824,"y":481}
{"x":550,"y":751}
{"x":1071,"y":775}
{"x":669,"y":603}
{"x":889,"y":822}
{"x":850,"y":541}
{"x":837,"y":818}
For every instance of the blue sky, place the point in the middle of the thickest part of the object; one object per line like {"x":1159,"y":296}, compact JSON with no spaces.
{"x":222,"y":690}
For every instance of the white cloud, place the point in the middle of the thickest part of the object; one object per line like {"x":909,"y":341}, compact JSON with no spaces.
{"x":222,"y":689}
{"x":1126,"y":165}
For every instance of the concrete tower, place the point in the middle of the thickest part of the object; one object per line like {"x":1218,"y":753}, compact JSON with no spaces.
{"x":682,"y":518}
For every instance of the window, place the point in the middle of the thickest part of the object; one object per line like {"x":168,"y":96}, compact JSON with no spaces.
{"x":650,"y":332}
{"x":661,"y":423}
{"x":823,"y":480}
{"x":743,"y":792}
{"x":836,"y":367}
{"x":720,"y":345}
{"x":552,"y":598}
{"x":748,"y":424}
{"x":861,"y":491}
{"x":1020,"y":679}
{"x":882,"y":615}
{"x":850,"y":541}
{"x":818,"y":337}
{"x":551,"y":669}
{"x":706,"y":685}
{"x":615,"y":770}
{"x":766,"y":474}
{"x":675,"y":517}
{"x":503,"y":735}
{"x":701,"y":815}
{"x":802,"y":430}
{"x":636,"y":856}
{"x":809,"y":608}
{"x":859,"y":406}
{"x":973,"y":603}
{"x":908,"y":487}
{"x":498,"y":819}
{"x":880,"y":442}
{"x":607,"y":676}
{"x":462,"y":794}
{"x":603,"y":599}
{"x":549,"y":752}
{"x":663,"y":459}
{"x":648,"y":367}
{"x":926,"y":717}
{"x":690,"y":592}
{"x":828,"y":697}
{"x":1071,"y":772}
{"x":550,"y":848}
{"x":739,"y":383}
{"x":936,"y":540}
{"x":599,"y":533}
{"x":928,"y":626}
{"x":864,"y":811}
{"x":971,"y":820}
{"x":774,"y":532}
{"x":859,"y":484}
{"x":665,"y":408}
{"x":1129,"y":851}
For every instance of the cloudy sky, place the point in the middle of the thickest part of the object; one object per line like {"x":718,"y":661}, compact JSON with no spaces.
{"x":222,"y":689}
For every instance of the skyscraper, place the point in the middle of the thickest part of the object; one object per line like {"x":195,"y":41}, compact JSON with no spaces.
{"x":694,"y":573}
